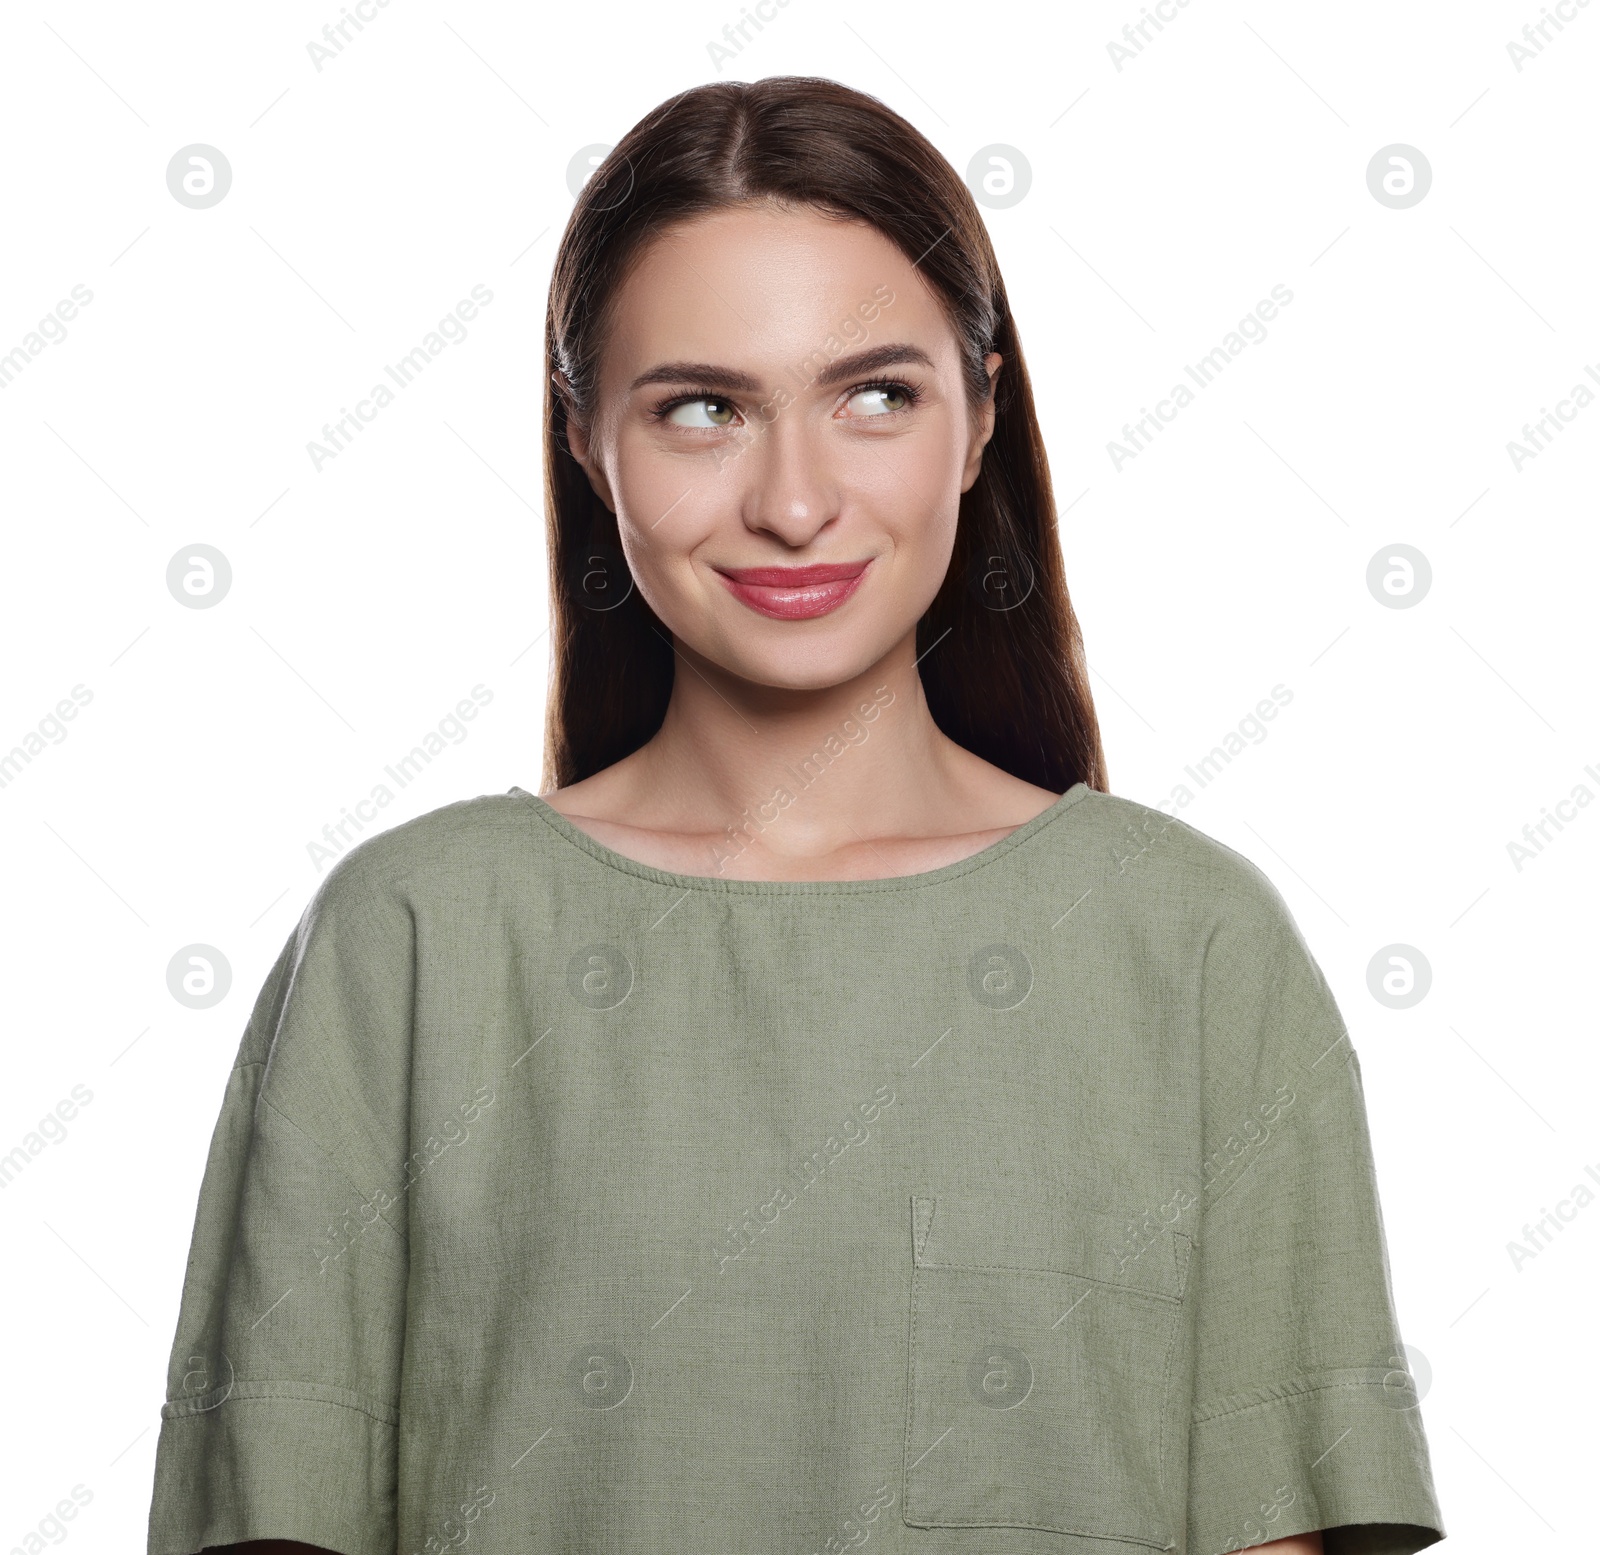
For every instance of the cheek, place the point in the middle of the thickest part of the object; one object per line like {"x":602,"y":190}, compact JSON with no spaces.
{"x":658,"y":493}
{"x":913,"y":482}
{"x":666,"y":509}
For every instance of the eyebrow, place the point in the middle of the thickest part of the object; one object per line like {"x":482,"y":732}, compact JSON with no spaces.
{"x":708,"y":375}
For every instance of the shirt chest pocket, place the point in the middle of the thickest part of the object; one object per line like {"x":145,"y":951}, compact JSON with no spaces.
{"x":1039,"y":1391}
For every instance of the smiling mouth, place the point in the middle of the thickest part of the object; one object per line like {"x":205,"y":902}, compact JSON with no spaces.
{"x":795,"y":593}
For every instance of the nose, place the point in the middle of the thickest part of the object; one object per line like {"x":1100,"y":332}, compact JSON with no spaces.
{"x":788,"y":486}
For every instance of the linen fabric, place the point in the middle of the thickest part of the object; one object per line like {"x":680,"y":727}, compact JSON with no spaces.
{"x":1022,"y":1207}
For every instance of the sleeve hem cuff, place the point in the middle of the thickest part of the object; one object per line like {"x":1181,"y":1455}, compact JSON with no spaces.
{"x":1335,"y":1452}
{"x":275,"y":1465}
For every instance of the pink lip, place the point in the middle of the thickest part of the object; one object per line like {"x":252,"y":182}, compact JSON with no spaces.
{"x":795,"y":593}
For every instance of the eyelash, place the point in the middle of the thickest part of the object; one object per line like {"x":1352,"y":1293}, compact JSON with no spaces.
{"x":912,"y":393}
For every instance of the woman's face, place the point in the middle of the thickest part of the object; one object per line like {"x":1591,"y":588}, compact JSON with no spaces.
{"x":780,"y":390}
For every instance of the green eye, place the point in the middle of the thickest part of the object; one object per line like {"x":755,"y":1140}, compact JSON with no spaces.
{"x":702,"y":413}
{"x":879,"y":400}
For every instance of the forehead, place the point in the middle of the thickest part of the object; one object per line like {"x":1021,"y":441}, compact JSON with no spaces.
{"x":758,"y":284}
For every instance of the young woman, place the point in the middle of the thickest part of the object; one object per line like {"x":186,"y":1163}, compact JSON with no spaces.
{"x":825,"y":1112}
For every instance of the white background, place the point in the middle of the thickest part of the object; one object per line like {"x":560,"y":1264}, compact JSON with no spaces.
{"x":367,"y":599}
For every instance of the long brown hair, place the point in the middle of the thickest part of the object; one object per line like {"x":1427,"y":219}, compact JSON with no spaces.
{"x":999,"y":648}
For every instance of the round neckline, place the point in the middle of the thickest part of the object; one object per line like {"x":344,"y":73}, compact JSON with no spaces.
{"x":622,"y":864}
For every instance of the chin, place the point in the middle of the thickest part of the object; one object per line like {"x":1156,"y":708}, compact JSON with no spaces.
{"x":794,"y":671}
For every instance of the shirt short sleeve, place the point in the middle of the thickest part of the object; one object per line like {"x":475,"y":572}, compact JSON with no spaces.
{"x":1304,"y":1415}
{"x":283,"y":1383}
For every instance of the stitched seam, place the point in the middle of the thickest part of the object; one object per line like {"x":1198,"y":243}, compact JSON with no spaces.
{"x":911,"y":1405}
{"x":1181,"y":1274}
{"x":1082,"y":1533}
{"x":906,"y":1516}
{"x":378,"y":1412}
{"x":777,"y":889}
{"x":1060,"y":1274}
{"x":1285,"y":1398}
{"x":266,"y":1101}
{"x":1313,"y":1091}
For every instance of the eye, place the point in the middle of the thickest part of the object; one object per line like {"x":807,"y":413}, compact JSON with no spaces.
{"x":703,"y":412}
{"x":880,"y":399}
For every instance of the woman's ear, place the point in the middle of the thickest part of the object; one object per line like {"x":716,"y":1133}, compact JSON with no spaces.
{"x":982,"y":424}
{"x":578,"y":443}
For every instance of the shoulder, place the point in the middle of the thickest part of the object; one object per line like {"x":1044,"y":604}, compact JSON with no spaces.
{"x":428,"y":857}
{"x":1164,"y":858}
{"x":1200,"y":913}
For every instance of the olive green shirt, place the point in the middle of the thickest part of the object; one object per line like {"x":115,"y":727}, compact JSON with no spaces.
{"x":562,"y":1203}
